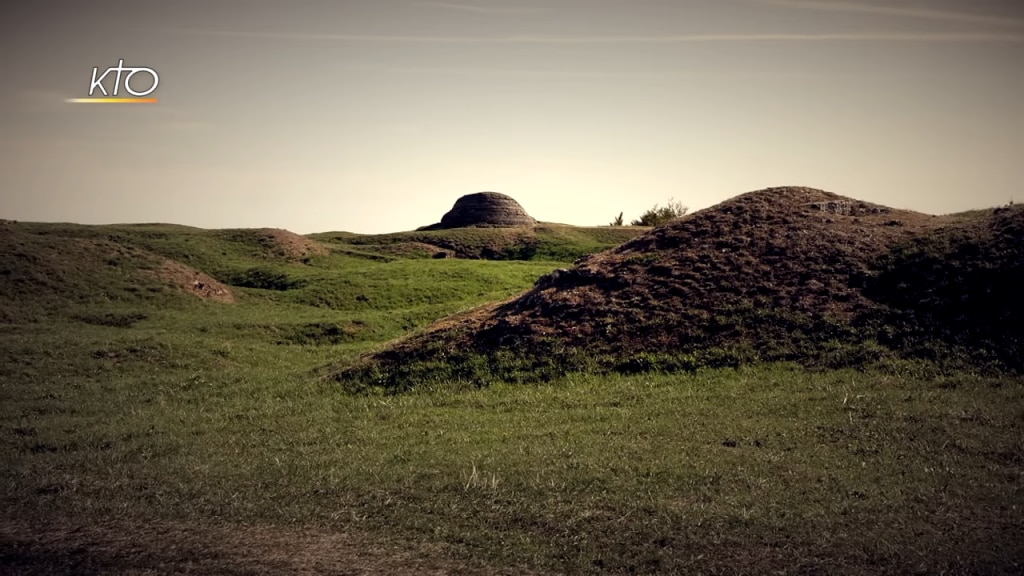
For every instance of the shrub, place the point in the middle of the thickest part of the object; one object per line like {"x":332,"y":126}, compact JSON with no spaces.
{"x":659,"y":215}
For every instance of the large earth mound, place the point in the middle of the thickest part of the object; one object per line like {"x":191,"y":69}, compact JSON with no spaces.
{"x":777,"y":274}
{"x":484,"y":210}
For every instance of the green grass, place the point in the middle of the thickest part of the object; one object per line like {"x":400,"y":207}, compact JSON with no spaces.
{"x":768,"y":468}
{"x":117,"y":402}
{"x":545,"y":242}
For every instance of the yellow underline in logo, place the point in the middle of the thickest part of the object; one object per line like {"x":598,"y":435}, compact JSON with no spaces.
{"x":112,"y":100}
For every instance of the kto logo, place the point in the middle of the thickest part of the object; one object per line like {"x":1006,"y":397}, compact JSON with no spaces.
{"x":139,"y":94}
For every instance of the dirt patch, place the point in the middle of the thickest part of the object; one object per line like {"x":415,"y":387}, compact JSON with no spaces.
{"x":140,"y":547}
{"x":194,"y":282}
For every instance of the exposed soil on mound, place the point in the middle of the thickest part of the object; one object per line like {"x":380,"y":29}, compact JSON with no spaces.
{"x":279,"y":243}
{"x":805,"y":251}
{"x":781,"y":273}
{"x":194,"y":282}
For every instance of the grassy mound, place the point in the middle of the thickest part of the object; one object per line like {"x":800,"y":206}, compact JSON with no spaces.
{"x":46,"y":272}
{"x":274,"y":243}
{"x":782,"y":274}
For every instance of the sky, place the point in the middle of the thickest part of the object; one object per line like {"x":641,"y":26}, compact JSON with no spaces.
{"x":374,"y":116}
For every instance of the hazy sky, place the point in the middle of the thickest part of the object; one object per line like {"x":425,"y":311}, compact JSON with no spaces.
{"x":376,"y":115}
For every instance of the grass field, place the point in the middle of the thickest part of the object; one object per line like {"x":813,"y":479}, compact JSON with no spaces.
{"x":143,"y":429}
{"x":545,"y":242}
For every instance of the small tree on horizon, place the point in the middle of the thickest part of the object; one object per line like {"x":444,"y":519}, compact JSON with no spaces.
{"x":617,"y":221}
{"x":659,"y":215}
